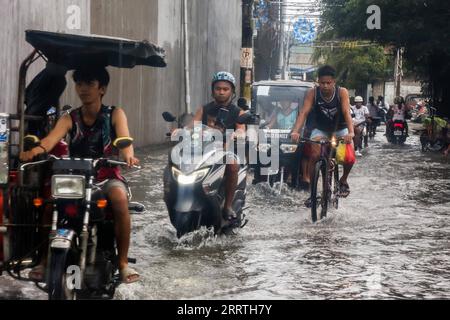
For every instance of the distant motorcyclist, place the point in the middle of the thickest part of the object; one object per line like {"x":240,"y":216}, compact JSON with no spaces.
{"x":361,"y":115}
{"x":398,"y":112}
{"x":374,"y":117}
{"x":384,"y":107}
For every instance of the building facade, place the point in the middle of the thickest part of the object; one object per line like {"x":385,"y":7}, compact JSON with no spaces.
{"x":214,"y":31}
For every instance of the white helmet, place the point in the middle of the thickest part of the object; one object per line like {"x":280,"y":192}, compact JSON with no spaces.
{"x":359,"y":99}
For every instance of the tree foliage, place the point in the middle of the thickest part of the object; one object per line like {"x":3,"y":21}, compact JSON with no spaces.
{"x":358,"y":66}
{"x":419,"y":26}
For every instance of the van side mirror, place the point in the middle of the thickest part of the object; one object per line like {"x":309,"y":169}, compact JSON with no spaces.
{"x":123,"y":142}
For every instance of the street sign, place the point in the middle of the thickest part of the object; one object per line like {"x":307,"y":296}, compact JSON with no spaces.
{"x":247,"y":58}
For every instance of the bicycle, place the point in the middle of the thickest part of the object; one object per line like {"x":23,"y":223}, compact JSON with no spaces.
{"x":326,"y":172}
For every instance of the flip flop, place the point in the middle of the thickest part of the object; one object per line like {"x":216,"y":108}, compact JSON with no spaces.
{"x":344,"y":190}
{"x":37,"y":273}
{"x":308,"y":203}
{"x":129,"y":275}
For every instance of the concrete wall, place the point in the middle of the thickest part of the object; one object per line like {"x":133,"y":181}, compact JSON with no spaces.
{"x":16,"y":17}
{"x":215,"y":40}
{"x":136,"y":90}
{"x":388,"y":89}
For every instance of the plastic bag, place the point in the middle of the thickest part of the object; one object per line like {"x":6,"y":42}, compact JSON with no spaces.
{"x":340,"y":153}
{"x":350,"y":158}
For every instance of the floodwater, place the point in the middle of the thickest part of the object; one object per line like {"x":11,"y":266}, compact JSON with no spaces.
{"x":388,"y":240}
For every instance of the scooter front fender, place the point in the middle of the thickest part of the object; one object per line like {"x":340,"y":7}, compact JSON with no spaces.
{"x":189,"y":199}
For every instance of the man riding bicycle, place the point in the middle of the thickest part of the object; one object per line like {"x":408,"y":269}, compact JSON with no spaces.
{"x":330,"y":107}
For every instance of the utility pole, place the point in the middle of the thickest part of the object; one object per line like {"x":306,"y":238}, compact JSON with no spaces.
{"x":398,"y":71}
{"x":282,"y":14}
{"x":186,"y":58}
{"x":247,"y":50}
{"x":287,"y":52}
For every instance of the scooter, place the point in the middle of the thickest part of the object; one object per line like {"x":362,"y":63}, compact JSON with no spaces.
{"x":194,"y":191}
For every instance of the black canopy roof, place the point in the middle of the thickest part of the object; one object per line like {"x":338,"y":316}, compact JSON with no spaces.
{"x":73,"y":51}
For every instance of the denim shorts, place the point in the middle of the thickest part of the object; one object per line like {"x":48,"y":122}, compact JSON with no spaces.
{"x":316,"y":133}
{"x":107,"y":185}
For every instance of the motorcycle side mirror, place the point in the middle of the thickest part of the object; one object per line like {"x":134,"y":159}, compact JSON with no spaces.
{"x":168,"y":117}
{"x":244,"y":118}
{"x":186,"y":119}
{"x":123,"y":142}
{"x":242,"y":103}
{"x":30,"y":142}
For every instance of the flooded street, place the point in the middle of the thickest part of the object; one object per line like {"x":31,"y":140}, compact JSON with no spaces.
{"x":390,"y":239}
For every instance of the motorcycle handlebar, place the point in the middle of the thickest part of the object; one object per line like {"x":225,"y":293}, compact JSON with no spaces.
{"x":95,"y":162}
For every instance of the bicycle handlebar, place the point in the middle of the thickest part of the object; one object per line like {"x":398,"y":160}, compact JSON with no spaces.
{"x":321,"y":142}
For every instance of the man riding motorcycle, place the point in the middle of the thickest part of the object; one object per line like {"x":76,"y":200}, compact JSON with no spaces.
{"x":374,"y":117}
{"x":92,"y":128}
{"x":223,"y":88}
{"x":361,"y":116}
{"x":330,"y":106}
{"x":398,"y":112}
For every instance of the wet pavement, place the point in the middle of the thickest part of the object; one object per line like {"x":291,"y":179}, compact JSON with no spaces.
{"x":389,"y":240}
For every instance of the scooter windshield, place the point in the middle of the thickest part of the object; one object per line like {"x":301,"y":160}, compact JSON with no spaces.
{"x":198,"y":145}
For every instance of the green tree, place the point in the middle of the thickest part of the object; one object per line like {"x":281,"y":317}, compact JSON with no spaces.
{"x":419,"y":26}
{"x":358,"y":66}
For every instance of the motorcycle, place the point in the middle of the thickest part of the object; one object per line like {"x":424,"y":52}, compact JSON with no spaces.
{"x":372,"y":127}
{"x":82,"y":239}
{"x":80,"y":220}
{"x":194,"y":191}
{"x":397,"y":134}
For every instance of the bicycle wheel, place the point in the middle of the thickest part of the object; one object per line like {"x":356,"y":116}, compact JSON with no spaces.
{"x":335,"y":186}
{"x":319,"y":191}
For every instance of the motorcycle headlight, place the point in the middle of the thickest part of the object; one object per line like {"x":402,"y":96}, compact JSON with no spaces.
{"x":264,"y":147}
{"x":68,"y":187}
{"x":288,"y":148}
{"x":194,"y":177}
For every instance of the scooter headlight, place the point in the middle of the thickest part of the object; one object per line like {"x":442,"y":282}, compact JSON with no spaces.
{"x":68,"y":187}
{"x":288,"y":148}
{"x":264,"y":147}
{"x":194,"y":177}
